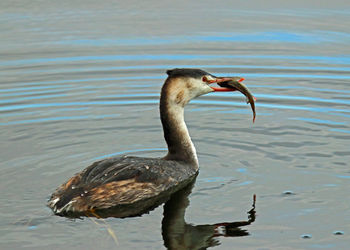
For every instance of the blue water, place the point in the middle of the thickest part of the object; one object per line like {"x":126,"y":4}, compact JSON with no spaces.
{"x":80,"y":81}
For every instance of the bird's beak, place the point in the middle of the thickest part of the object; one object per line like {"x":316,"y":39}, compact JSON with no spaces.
{"x":222,"y":80}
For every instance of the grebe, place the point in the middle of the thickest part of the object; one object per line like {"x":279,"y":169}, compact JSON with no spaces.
{"x":135,"y":184}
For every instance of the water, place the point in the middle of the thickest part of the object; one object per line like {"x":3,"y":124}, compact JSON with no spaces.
{"x":80,"y":81}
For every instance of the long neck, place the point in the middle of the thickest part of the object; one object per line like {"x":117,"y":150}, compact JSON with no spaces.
{"x":180,"y":146}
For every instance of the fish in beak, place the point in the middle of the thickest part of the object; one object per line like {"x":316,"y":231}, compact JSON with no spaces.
{"x":234,"y":84}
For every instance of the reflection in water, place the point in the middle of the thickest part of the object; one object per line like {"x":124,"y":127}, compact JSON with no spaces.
{"x":178,"y":234}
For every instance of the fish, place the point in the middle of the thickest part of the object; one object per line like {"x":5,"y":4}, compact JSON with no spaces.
{"x":236,"y":83}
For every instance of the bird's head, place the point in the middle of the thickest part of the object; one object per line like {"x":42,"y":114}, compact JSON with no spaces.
{"x":183,"y":85}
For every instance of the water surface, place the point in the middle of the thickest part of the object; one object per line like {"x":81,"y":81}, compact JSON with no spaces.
{"x":80,"y":81}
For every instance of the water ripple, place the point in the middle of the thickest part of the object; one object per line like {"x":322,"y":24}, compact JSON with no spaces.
{"x":181,"y":57}
{"x":63,"y":118}
{"x":163,"y":67}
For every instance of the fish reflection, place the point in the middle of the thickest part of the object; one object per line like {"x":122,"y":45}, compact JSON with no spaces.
{"x":177,"y":234}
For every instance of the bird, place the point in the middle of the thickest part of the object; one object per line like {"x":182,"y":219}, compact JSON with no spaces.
{"x":132,"y":185}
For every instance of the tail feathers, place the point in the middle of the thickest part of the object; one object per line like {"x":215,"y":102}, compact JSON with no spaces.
{"x":66,"y":208}
{"x":64,"y":202}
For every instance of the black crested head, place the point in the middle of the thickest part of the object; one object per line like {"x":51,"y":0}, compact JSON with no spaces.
{"x":194,"y":73}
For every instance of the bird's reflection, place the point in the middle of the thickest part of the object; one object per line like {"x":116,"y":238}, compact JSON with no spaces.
{"x":178,"y":234}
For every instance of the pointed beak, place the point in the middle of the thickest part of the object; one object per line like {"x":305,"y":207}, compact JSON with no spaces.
{"x":222,"y":80}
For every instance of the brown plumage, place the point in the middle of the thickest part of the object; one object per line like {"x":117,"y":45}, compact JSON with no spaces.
{"x":128,"y":185}
{"x":120,"y":182}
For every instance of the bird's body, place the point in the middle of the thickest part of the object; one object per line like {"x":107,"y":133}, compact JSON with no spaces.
{"x":120,"y":182}
{"x":135,"y":184}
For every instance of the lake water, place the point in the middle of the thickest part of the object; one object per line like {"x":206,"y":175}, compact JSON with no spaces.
{"x":80,"y":81}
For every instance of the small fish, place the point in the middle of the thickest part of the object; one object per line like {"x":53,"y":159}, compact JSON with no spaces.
{"x":236,"y":83}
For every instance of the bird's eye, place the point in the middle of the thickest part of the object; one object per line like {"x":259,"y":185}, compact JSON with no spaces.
{"x":205,"y":79}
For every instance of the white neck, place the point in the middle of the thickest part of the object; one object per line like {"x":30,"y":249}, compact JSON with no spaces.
{"x":180,"y":146}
